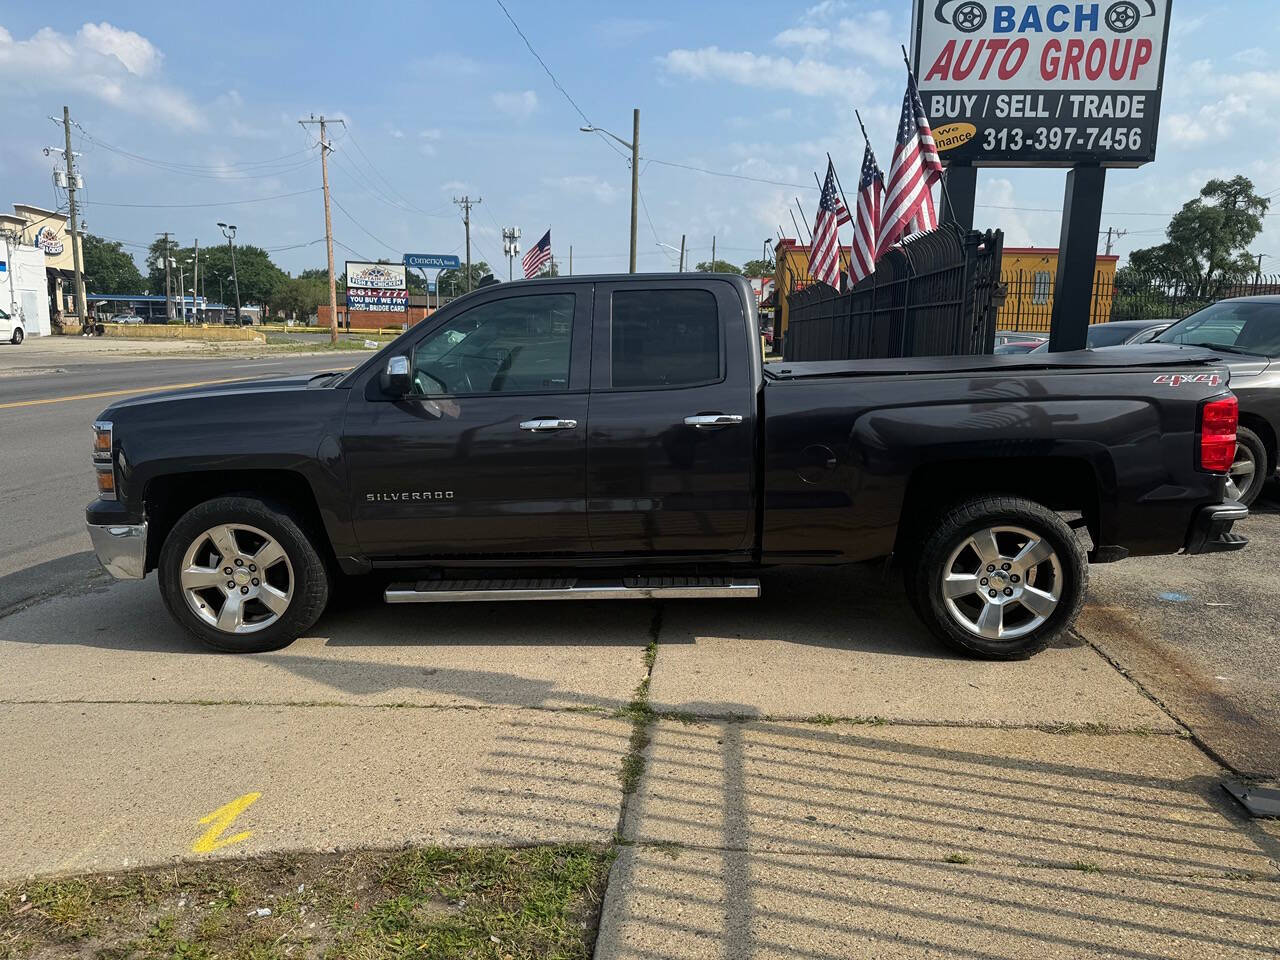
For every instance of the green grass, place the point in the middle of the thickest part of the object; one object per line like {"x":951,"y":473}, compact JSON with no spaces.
{"x":1086,"y":866}
{"x":640,"y":714}
{"x":284,"y":343}
{"x":956,"y":858}
{"x":430,"y":902}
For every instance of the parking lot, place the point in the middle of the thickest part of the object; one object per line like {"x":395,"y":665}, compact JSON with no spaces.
{"x":806,"y":775}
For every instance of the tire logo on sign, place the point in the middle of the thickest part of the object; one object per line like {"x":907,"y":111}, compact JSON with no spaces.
{"x":1178,"y":379}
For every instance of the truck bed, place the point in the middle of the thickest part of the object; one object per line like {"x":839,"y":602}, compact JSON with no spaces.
{"x":1154,"y":355}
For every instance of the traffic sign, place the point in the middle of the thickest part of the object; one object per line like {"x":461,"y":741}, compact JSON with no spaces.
{"x":428,"y":261}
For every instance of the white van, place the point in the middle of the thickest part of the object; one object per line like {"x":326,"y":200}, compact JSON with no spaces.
{"x":11,"y":328}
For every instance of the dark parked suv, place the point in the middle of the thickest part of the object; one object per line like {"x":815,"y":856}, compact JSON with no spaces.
{"x":1247,"y":332}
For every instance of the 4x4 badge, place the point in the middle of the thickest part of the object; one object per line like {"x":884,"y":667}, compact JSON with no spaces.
{"x":1178,"y":379}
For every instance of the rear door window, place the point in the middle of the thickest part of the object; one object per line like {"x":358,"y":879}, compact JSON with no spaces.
{"x":664,"y":338}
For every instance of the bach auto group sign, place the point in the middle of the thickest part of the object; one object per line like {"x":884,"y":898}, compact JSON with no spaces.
{"x":1042,"y":84}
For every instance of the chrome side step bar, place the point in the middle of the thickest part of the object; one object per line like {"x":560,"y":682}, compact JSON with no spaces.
{"x":571,"y":588}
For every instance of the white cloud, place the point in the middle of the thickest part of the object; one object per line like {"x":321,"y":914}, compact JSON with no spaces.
{"x":617,"y":31}
{"x":1251,"y":56}
{"x":806,"y":76}
{"x":520,"y":104}
{"x":133,"y":50}
{"x":803,"y":37}
{"x":1213,"y":120}
{"x":100,"y":60}
{"x":427,"y":140}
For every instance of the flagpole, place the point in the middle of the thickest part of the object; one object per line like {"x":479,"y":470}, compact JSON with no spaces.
{"x":799,"y":235}
{"x":805,"y":221}
{"x":942,"y":180}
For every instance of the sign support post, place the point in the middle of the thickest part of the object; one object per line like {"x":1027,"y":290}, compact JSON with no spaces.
{"x":961,"y":182}
{"x":1077,"y":257}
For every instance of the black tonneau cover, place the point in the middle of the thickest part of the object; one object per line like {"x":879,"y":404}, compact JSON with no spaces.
{"x":1152,"y":355}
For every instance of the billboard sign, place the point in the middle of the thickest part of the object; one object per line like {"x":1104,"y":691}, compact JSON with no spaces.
{"x":432,"y":261}
{"x":375,"y":276}
{"x":378,"y":287}
{"x":1042,"y":84}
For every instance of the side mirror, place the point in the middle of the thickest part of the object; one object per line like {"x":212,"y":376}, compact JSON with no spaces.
{"x":396,"y":380}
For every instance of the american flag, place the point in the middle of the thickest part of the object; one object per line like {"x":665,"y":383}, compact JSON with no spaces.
{"x":862,"y":256}
{"x":537,"y":256}
{"x":824,"y":258}
{"x":908,"y":205}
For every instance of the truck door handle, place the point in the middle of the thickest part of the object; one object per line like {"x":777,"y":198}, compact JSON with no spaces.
{"x":710,"y":421}
{"x":547,"y":425}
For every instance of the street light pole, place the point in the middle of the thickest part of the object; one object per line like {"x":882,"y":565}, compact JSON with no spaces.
{"x":634,"y":147}
{"x":229,"y":231}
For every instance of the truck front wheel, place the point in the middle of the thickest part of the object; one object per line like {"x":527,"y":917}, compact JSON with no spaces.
{"x":242,"y":576}
{"x":999,"y":577}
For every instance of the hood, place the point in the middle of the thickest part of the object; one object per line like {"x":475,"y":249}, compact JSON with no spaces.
{"x":1240,"y":365}
{"x":232,"y":388}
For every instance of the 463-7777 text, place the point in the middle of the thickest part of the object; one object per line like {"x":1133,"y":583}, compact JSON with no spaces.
{"x":1123,"y":139}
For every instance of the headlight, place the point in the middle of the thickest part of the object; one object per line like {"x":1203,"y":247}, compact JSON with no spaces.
{"x":102,"y":440}
{"x":103,"y":463}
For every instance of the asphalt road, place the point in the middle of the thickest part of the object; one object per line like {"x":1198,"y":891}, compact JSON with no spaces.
{"x":47,"y":401}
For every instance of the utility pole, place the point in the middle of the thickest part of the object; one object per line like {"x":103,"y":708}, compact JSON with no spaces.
{"x":229,"y":231}
{"x":681,"y":253}
{"x":325,"y":147}
{"x":182,"y":290}
{"x":713,"y":253}
{"x":72,"y":226}
{"x":510,"y":246}
{"x":466,"y":203}
{"x":634,"y":147}
{"x":1117,"y":234}
{"x":571,"y":260}
{"x":195,"y":280}
{"x":168,"y":296}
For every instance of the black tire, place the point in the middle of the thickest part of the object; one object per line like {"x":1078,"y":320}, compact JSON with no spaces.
{"x":1067,"y":572}
{"x":310,"y":579}
{"x":1251,"y":445}
{"x":18,"y":337}
{"x":1123,"y":16}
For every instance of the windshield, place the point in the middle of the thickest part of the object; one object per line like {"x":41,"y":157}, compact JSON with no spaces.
{"x":1237,"y":326}
{"x":1099,"y":335}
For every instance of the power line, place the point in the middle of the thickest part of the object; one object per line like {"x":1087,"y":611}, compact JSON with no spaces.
{"x":191,"y":169}
{"x":220,"y":203}
{"x":371,"y":235}
{"x":562,"y":90}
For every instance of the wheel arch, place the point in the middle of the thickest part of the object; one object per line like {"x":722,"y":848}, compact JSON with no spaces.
{"x":1266,"y":433}
{"x":168,"y":496}
{"x":1063,"y":484}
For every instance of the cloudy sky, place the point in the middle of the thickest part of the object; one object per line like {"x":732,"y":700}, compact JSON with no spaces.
{"x":188,"y":116}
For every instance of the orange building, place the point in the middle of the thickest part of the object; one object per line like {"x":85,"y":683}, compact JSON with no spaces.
{"x":1029,"y":274}
{"x":791,"y":273}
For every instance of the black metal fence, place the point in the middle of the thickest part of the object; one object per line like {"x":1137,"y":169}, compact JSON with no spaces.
{"x":1028,"y":299}
{"x":934,"y":295}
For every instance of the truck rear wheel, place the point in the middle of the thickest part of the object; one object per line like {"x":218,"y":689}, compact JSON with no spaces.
{"x":242,"y":576}
{"x":999,"y":577}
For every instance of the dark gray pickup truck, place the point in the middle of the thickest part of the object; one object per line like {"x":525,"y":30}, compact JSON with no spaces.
{"x":618,"y":437}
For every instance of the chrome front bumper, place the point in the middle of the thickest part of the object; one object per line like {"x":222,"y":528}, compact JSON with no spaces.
{"x":121,"y":548}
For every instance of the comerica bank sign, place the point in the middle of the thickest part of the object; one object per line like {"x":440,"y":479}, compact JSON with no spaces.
{"x":1042,"y":84}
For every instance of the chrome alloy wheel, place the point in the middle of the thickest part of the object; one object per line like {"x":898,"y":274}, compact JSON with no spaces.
{"x":1002,"y":583}
{"x":1240,"y":476}
{"x":236,"y":578}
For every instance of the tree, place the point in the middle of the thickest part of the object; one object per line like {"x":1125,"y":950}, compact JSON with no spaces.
{"x":1208,"y":239}
{"x":259,"y":278}
{"x":716,"y":266}
{"x":454,"y":282}
{"x":758,"y":268}
{"x":107,"y":268}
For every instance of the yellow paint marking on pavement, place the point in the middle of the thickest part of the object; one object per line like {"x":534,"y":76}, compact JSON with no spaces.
{"x":117,"y":393}
{"x":219,"y":820}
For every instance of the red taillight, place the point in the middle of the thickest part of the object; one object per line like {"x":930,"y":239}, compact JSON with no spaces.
{"x":1218,"y":420}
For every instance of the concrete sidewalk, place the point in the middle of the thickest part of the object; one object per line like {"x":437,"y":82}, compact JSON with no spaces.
{"x":786,"y":840}
{"x":820,"y":779}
